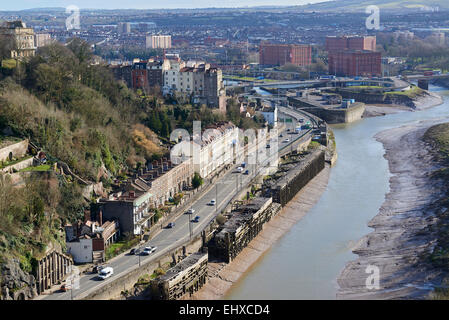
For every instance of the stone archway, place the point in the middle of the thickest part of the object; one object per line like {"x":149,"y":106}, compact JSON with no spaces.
{"x":20,"y":296}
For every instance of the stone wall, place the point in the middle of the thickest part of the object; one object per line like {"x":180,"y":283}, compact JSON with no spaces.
{"x":288,"y":186}
{"x":18,"y":150}
{"x":185,"y":278}
{"x":244,"y":225}
{"x":18,"y":166}
{"x":15,"y":284}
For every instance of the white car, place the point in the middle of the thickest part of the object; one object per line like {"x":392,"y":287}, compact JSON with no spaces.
{"x":287,"y":140}
{"x":105,"y":273}
{"x":240,"y":169}
{"x":191,"y":211}
{"x":212,"y":202}
{"x":148,"y":250}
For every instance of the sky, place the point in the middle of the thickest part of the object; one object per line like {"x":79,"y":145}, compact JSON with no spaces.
{"x":144,"y":4}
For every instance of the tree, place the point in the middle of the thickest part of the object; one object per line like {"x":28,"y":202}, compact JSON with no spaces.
{"x":197,"y":180}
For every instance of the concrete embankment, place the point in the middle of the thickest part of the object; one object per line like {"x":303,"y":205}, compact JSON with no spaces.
{"x":328,"y":114}
{"x":401,"y":234}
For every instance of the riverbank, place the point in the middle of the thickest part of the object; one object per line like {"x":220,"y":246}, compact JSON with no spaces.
{"x":421,"y":103}
{"x":222,"y":276}
{"x":400,"y":238}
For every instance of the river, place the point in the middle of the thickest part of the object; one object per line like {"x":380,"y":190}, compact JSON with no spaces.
{"x":306,"y":262}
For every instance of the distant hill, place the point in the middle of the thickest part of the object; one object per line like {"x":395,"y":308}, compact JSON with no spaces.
{"x":360,"y":5}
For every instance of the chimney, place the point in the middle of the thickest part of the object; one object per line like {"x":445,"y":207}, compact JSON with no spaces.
{"x":100,"y":217}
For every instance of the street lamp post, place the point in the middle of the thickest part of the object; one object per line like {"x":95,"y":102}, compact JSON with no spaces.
{"x":190,"y":223}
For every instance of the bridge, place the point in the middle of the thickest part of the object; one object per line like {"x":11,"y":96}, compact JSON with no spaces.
{"x":423,"y":81}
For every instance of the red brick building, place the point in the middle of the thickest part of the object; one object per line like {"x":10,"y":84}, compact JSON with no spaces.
{"x":139,"y":75}
{"x":280,"y":54}
{"x":366,"y":43}
{"x":355,"y":63}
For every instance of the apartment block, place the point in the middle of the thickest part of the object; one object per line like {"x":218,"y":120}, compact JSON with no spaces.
{"x":280,"y":54}
{"x":196,"y":79}
{"x":23,"y":37}
{"x":215,"y":148}
{"x":124,"y":27}
{"x":355,"y":63}
{"x":42,"y":39}
{"x":158,"y":42}
{"x":341,"y":43}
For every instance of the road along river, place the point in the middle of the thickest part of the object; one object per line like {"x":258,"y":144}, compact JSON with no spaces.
{"x":306,"y":262}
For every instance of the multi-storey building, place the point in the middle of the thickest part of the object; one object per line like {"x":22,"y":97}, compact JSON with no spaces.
{"x":139,"y":75}
{"x":196,"y":79}
{"x":158,"y":42}
{"x":155,"y":70}
{"x":123,"y":72}
{"x":42,"y":39}
{"x":150,"y":188}
{"x":215,"y":148}
{"x":341,"y":43}
{"x":281,"y":54}
{"x":353,"y":56}
{"x":130,"y":208}
{"x":124,"y":27}
{"x":22,"y":36}
{"x":355,"y":63}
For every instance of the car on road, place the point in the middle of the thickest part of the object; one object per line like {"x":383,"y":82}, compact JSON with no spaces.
{"x":287,"y":140}
{"x":268,"y":146}
{"x":196,"y":219}
{"x":105,"y":273}
{"x":171,"y":225}
{"x":239,"y":169}
{"x":281,"y":135}
{"x":132,"y":251}
{"x":246,"y":172}
{"x":212,"y":202}
{"x":191,"y":211}
{"x":148,"y":250}
{"x":301,"y":120}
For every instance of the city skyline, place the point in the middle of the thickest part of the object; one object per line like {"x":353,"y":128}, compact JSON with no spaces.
{"x":170,"y":4}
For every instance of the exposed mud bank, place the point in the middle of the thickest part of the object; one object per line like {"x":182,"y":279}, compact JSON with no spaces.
{"x":401,"y":233}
